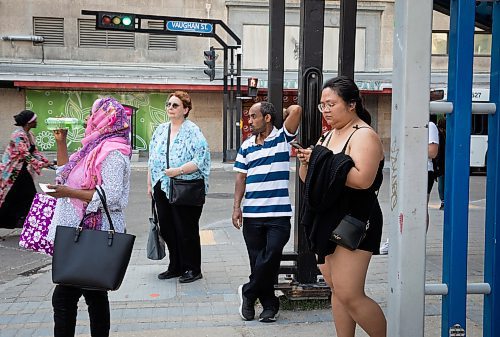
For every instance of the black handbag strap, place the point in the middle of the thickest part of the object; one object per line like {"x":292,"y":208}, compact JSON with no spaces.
{"x":102,"y":196}
{"x":371,"y":210}
{"x":154,"y":214}
{"x":168,"y":145}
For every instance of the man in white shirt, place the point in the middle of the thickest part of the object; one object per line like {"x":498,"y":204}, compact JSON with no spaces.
{"x":433,"y":152}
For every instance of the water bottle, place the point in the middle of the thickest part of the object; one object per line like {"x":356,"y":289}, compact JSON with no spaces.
{"x":63,"y":123}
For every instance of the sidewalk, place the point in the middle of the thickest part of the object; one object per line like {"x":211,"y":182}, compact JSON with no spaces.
{"x":146,"y":306}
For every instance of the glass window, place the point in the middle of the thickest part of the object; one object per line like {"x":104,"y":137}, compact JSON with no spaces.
{"x":439,"y":43}
{"x":255,"y":47}
{"x":482,"y":44}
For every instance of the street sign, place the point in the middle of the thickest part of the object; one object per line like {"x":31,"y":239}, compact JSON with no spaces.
{"x":189,"y":26}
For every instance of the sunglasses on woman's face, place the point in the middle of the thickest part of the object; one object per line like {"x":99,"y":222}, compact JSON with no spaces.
{"x":173,"y":105}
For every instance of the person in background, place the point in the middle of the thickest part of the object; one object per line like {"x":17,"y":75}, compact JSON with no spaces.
{"x":19,"y":162}
{"x":263,"y":173}
{"x":189,"y":158}
{"x":104,"y":162}
{"x":349,"y":160}
{"x":433,"y":150}
{"x":439,"y":161}
{"x":432,"y":174}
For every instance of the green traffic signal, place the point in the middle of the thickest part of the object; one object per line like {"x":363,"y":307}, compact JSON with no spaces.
{"x":126,"y":20}
{"x":115,"y":21}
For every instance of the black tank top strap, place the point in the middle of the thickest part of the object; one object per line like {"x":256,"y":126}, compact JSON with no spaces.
{"x":326,"y":135}
{"x":348,"y":139}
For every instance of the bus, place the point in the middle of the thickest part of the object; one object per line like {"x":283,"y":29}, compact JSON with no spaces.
{"x":479,"y":127}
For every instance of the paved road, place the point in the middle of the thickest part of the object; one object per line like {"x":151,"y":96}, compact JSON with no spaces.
{"x":146,"y":306}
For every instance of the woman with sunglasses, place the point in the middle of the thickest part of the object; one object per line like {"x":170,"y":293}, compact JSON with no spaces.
{"x":188,"y":158}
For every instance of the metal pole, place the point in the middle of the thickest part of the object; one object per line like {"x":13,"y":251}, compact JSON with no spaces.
{"x":408,"y":172}
{"x":458,"y":128}
{"x":224,"y":112}
{"x":232,"y":118}
{"x":238,"y":94}
{"x":347,"y":37}
{"x":312,"y":14}
{"x":276,"y":57}
{"x":491,"y":324}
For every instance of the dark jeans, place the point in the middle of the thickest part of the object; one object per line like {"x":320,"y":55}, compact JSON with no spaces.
{"x":180,"y":228}
{"x":265,"y":239}
{"x":441,"y":188}
{"x":65,"y":303}
{"x":430,"y":181}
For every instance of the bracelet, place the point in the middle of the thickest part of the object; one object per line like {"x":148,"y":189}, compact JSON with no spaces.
{"x":182,"y":171}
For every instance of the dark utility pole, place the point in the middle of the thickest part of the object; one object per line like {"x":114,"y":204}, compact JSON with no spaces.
{"x":276,"y":57}
{"x":347,"y":37}
{"x":312,"y":14}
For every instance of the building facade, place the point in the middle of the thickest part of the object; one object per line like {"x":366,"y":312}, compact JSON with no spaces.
{"x":77,"y":63}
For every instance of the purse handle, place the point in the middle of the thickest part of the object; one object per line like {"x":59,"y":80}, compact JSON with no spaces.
{"x":102,"y":196}
{"x":168,"y":144}
{"x":153,"y":211}
{"x":371,"y":210}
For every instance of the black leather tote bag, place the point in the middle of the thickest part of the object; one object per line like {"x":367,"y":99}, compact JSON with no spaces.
{"x":156,"y":245}
{"x":91,"y":259}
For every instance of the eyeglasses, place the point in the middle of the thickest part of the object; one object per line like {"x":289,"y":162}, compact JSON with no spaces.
{"x":325,"y":107}
{"x":173,"y":105}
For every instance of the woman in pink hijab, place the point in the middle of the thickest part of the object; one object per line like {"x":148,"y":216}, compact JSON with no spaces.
{"x":102,"y":162}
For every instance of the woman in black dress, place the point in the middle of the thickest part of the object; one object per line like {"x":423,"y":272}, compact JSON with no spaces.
{"x":344,"y":270}
{"x":19,"y":162}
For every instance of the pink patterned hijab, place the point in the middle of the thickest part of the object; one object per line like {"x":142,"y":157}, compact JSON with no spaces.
{"x":107,"y":130}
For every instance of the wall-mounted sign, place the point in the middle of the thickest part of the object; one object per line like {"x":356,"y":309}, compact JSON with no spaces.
{"x":189,"y":26}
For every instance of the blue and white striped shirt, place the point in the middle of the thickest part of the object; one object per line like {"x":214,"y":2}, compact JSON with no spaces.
{"x":267,"y":168}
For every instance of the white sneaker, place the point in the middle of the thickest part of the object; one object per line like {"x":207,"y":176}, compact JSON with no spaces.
{"x":384,"y":248}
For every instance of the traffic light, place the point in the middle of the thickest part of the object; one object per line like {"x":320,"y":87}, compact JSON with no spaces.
{"x":210,"y":63}
{"x":115,"y":21}
{"x":252,"y":86}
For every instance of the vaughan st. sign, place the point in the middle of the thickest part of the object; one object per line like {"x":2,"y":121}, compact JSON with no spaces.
{"x":189,"y":26}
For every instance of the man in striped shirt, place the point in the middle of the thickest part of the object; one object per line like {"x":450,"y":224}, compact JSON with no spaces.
{"x":263,"y":173}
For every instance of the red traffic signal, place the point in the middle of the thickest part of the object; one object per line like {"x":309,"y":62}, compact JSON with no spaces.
{"x":115,"y":21}
{"x":252,"y":86}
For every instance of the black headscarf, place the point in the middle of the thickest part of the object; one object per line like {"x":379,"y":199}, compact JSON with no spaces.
{"x":23,"y":117}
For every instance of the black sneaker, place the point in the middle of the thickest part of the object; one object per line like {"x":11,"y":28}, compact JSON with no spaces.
{"x":247,"y":309}
{"x":269,"y":315}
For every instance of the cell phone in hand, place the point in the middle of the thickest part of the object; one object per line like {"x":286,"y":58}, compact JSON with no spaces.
{"x":296,"y":145}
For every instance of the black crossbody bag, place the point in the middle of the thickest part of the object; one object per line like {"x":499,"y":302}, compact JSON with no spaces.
{"x":185,"y":192}
{"x":351,"y":231}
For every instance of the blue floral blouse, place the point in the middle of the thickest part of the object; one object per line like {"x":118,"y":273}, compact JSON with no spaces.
{"x":188,"y":146}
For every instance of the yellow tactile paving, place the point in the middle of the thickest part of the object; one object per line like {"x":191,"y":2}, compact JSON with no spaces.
{"x":207,"y":238}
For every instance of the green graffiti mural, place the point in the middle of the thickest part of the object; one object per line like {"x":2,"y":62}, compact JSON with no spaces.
{"x":150,"y":112}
